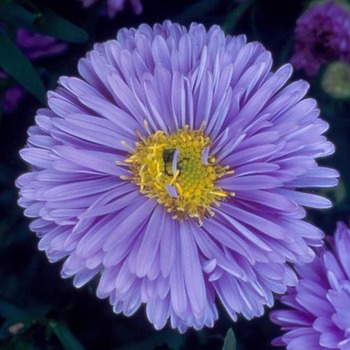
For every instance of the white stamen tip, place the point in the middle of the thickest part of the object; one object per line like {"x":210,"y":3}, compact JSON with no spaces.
{"x":172,"y":191}
{"x":205,"y":155}
{"x":175,"y":159}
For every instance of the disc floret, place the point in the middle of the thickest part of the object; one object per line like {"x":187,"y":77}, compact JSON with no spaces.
{"x":179,"y":171}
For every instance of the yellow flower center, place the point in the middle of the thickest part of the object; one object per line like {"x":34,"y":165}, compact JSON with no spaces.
{"x":179,"y":171}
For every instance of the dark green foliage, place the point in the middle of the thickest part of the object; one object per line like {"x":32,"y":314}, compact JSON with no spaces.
{"x":18,"y":15}
{"x":39,"y":310}
{"x":50,"y":23}
{"x":13,"y":61}
{"x":230,"y":341}
{"x":65,"y":336}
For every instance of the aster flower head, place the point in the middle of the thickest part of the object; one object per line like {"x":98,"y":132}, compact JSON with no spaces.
{"x":318,"y":314}
{"x":170,"y":169}
{"x":322,"y":34}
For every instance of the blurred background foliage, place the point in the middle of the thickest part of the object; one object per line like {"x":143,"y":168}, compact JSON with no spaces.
{"x":39,"y":310}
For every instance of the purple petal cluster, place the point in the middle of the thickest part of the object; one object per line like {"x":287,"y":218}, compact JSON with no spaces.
{"x":322,"y":34}
{"x":35,"y":45}
{"x":162,"y":79}
{"x":116,"y":6}
{"x":318,"y":314}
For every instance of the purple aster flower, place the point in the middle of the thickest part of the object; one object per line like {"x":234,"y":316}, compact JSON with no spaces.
{"x":116,"y":6}
{"x":319,"y":315}
{"x":322,"y":34}
{"x":170,"y":168}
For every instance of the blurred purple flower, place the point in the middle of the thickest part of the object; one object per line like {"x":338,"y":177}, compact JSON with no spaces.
{"x":116,"y":6}
{"x":319,"y":314}
{"x":34,"y":46}
{"x":12,"y":97}
{"x":170,"y":170}
{"x":322,"y":34}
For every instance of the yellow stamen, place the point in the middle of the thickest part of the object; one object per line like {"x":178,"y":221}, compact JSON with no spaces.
{"x":154,"y":168}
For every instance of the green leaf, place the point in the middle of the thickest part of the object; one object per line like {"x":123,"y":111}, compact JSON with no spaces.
{"x":197,"y":10}
{"x":50,"y":23}
{"x":230,"y":341}
{"x":65,"y":336}
{"x":233,"y":16}
{"x":19,"y":344}
{"x":13,"y":313}
{"x":13,"y":61}
{"x":16,"y":14}
{"x":172,"y":339}
{"x":4,"y":330}
{"x":47,"y":22}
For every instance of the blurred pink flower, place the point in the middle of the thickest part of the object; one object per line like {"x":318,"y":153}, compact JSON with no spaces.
{"x":322,"y":34}
{"x":115,"y":6}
